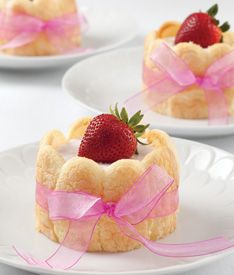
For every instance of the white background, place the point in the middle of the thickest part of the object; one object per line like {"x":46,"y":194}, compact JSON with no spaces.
{"x":32,"y":102}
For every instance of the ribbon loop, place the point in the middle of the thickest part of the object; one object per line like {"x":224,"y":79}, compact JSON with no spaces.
{"x":137,"y":204}
{"x":73,"y":205}
{"x":172,"y":65}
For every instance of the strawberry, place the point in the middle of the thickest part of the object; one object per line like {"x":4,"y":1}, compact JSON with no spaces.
{"x":202,"y":28}
{"x":110,"y":137}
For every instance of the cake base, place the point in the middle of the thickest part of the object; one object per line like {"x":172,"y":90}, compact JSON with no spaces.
{"x":107,"y":236}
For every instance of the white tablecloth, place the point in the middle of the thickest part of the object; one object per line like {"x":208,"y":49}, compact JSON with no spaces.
{"x":32,"y":102}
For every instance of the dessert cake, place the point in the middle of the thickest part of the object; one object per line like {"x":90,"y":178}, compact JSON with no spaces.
{"x":199,"y":41}
{"x":44,"y":10}
{"x":100,"y":156}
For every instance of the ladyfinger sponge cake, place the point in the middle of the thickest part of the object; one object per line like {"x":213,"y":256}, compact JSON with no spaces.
{"x":45,"y":10}
{"x":199,"y":41}
{"x":104,"y":172}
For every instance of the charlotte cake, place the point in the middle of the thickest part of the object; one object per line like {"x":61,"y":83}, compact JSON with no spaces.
{"x":45,"y":10}
{"x":59,"y":168}
{"x":199,"y":42}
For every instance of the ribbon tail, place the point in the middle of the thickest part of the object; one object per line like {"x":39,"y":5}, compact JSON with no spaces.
{"x":70,"y":251}
{"x":54,"y":35}
{"x":77,"y":239}
{"x":84,"y":24}
{"x":29,"y":258}
{"x":19,"y":40}
{"x":193,"y":249}
{"x":80,"y":50}
{"x":66,"y":46}
{"x":153,"y":95}
{"x":217,"y":107}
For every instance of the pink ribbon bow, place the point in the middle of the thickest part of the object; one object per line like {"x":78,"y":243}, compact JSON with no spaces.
{"x":175,"y":76}
{"x":147,"y":198}
{"x":21,"y":29}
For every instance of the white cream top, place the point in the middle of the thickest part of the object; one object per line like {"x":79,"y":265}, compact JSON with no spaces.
{"x":70,"y":150}
{"x":170,"y":40}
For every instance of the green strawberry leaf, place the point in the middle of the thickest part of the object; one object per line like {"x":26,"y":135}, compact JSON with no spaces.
{"x":137,"y":135}
{"x":140,"y":128}
{"x":124,"y":115}
{"x":117,"y":111}
{"x":111,"y":111}
{"x":225,"y":27}
{"x":213,"y":10}
{"x":135,"y":119}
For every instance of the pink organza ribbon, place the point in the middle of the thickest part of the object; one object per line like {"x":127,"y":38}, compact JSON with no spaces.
{"x":174,"y":76}
{"x":20,"y":29}
{"x":147,"y":198}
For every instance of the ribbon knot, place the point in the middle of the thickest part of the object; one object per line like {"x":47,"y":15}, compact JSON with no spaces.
{"x":109,"y":209}
{"x":208,"y":83}
{"x":44,"y":26}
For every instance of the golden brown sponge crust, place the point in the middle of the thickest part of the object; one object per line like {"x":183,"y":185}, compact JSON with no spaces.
{"x":82,"y":174}
{"x":191,"y":103}
{"x":45,"y":10}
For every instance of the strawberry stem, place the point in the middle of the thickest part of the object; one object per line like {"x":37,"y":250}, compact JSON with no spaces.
{"x":216,"y":22}
{"x":142,"y":143}
{"x":132,"y":122}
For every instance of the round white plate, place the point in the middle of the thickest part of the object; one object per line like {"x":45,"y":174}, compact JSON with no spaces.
{"x":108,"y":29}
{"x":113,"y":77}
{"x":206,"y":211}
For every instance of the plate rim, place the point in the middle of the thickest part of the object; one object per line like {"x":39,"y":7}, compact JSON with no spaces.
{"x":228,"y":128}
{"x":203,"y":261}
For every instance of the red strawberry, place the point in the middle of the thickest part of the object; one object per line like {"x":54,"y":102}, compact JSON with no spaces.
{"x":110,"y":137}
{"x":202,"y":28}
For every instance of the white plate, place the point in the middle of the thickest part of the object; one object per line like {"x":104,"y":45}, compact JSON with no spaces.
{"x":108,"y":29}
{"x":206,"y":210}
{"x":113,"y":77}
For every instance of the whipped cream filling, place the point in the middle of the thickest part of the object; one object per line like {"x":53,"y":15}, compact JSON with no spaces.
{"x":170,"y":40}
{"x":70,"y":150}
